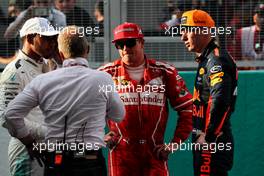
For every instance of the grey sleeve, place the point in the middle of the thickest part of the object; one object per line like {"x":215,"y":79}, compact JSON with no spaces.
{"x":18,"y":109}
{"x":13,"y":29}
{"x":115,"y":106}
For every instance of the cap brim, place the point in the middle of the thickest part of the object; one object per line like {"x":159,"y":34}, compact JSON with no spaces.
{"x":49,"y":33}
{"x":113,"y":41}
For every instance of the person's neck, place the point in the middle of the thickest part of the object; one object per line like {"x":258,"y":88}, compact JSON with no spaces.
{"x":31,"y":54}
{"x":258,"y":28}
{"x":135,"y":64}
{"x":202,"y":48}
{"x":129,"y":67}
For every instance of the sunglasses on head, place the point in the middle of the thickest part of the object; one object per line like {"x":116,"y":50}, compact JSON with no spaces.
{"x":129,"y":43}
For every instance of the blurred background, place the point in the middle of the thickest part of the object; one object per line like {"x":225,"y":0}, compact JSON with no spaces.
{"x":154,"y":16}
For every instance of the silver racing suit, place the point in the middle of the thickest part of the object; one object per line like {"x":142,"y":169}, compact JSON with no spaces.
{"x":14,"y":78}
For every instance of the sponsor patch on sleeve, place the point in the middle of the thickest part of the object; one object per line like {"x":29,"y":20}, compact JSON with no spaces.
{"x":216,"y":78}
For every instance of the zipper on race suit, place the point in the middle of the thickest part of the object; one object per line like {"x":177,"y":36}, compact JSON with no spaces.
{"x":139,"y":110}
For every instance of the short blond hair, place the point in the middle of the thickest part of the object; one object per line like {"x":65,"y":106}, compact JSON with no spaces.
{"x":72,"y":43}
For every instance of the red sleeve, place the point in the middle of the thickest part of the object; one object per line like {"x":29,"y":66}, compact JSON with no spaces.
{"x":181,"y":100}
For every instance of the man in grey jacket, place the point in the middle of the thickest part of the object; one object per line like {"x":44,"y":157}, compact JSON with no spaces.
{"x":76,"y":102}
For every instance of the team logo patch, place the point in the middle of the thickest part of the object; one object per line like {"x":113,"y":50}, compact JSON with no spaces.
{"x":216,"y":78}
{"x":125,"y":30}
{"x":125,"y":82}
{"x":33,"y":74}
{"x":184,"y":20}
{"x":215,"y":81}
{"x":201,"y":71}
{"x":216,"y":68}
{"x":196,"y":95}
{"x":12,"y":76}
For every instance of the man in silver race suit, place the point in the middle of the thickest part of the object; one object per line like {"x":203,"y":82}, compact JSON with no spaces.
{"x":39,"y":41}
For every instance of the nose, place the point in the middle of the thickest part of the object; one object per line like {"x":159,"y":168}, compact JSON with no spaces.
{"x":125,"y":47}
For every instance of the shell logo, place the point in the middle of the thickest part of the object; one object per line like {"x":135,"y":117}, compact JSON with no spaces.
{"x":201,"y":71}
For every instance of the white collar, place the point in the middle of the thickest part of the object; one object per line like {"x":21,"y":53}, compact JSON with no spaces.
{"x":76,"y":61}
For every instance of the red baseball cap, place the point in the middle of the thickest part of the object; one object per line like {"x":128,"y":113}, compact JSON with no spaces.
{"x":127,"y":31}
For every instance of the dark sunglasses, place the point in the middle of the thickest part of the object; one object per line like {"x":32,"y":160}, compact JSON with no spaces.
{"x":129,"y":43}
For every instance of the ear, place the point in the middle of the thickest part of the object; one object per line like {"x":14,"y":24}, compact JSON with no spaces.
{"x":85,"y":55}
{"x":30,"y":39}
{"x":88,"y":49}
{"x":61,"y":56}
{"x":255,"y":18}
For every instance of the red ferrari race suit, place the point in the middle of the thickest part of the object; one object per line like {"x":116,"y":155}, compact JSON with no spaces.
{"x":144,"y":125}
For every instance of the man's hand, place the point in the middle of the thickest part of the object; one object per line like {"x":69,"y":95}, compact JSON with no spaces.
{"x":162,"y":151}
{"x":29,"y":12}
{"x":35,"y":154}
{"x":201,"y":139}
{"x":28,"y":141}
{"x":109,"y":139}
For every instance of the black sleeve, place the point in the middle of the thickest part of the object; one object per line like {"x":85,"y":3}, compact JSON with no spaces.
{"x":220,"y":80}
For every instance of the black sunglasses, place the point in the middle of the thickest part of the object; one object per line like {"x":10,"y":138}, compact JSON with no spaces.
{"x":129,"y":43}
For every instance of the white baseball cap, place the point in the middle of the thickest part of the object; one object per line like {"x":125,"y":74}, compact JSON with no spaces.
{"x":38,"y":25}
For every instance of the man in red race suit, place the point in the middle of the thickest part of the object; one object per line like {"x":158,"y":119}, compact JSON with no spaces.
{"x":146,"y":87}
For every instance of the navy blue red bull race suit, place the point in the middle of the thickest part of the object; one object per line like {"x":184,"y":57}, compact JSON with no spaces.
{"x":214,"y":100}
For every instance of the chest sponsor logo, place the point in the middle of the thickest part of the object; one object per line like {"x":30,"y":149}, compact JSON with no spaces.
{"x":198,"y":111}
{"x":156,"y":99}
{"x":216,"y":68}
{"x":201,"y":71}
{"x":156,"y":81}
{"x":196,"y":95}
